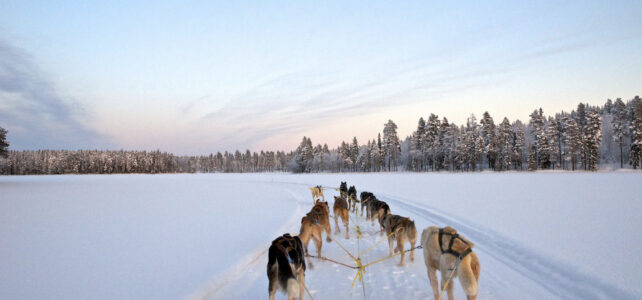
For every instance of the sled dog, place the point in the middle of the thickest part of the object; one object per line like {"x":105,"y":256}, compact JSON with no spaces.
{"x":443,"y":247}
{"x":286,"y":267}
{"x":402,"y":230}
{"x":340,"y":209}
{"x":313,"y":224}
{"x":352,"y":197}
{"x":343,"y":189}
{"x":377,"y":210}
{"x":365,"y":198}
{"x":317,"y":193}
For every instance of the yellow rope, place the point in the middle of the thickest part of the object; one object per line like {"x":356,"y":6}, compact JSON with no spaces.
{"x":391,"y":256}
{"x":344,"y":249}
{"x":449,"y":278}
{"x":306,"y":289}
{"x":377,"y":243}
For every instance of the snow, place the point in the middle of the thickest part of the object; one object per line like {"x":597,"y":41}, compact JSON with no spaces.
{"x":554,"y":235}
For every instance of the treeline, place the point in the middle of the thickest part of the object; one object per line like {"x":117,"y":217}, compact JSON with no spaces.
{"x":584,"y":138}
{"x":152,"y":162}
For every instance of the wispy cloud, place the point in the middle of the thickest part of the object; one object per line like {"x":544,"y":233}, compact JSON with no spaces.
{"x":35,"y":115}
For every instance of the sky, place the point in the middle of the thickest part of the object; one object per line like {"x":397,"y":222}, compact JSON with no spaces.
{"x":196,"y":77}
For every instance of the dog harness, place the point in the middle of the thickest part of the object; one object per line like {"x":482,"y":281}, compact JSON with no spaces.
{"x":395,"y":223}
{"x":450,"y":249}
{"x":288,"y":245}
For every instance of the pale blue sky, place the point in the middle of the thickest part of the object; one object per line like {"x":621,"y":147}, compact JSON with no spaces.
{"x":202,"y":76}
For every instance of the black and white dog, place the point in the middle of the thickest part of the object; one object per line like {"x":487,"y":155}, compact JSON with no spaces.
{"x":286,"y":266}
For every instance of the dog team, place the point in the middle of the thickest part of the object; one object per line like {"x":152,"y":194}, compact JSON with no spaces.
{"x":444,"y":249}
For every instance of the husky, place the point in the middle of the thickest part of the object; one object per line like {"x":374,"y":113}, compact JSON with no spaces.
{"x":343,"y":189}
{"x":402,"y":230}
{"x":317,"y":193}
{"x":443,"y":247}
{"x":377,"y":210}
{"x":365,"y":198}
{"x":312,"y":226}
{"x":286,"y":267}
{"x":352,"y":197}
{"x":340,"y":209}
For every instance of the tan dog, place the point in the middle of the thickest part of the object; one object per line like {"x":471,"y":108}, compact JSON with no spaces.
{"x":442,"y":249}
{"x":312,"y":226}
{"x":317,"y":193}
{"x":340,"y":209}
{"x":286,"y":267}
{"x":402,"y":230}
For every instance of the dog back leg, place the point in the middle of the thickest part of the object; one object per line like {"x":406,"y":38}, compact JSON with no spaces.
{"x":449,"y":289}
{"x":400,"y":244}
{"x":318,"y":242}
{"x":413,"y":241}
{"x":328,"y":232}
{"x":346,"y":220}
{"x":273,"y":280}
{"x":301,"y":277}
{"x":336,"y":222}
{"x":390,"y":242}
{"x":432,"y":277}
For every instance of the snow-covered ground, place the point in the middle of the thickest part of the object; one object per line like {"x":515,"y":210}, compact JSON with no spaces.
{"x":205,"y":236}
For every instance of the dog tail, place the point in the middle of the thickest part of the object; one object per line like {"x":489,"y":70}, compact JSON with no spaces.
{"x":468,"y":274}
{"x":412,"y":231}
{"x":386,"y":209}
{"x":287,"y":280}
{"x":292,"y":288}
{"x":474,"y":265}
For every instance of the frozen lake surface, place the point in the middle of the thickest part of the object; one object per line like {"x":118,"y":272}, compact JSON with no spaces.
{"x":205,"y":236}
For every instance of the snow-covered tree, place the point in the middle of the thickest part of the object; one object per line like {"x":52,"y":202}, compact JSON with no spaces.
{"x":618,"y":122}
{"x":572,"y":141}
{"x":488,"y":136}
{"x":391,"y":144}
{"x":4,"y":145}
{"x":431,"y":146}
{"x":519,"y":144}
{"x":532,"y":158}
{"x":504,"y":145}
{"x":592,"y":138}
{"x":541,"y":139}
{"x":553,"y":136}
{"x":636,"y":133}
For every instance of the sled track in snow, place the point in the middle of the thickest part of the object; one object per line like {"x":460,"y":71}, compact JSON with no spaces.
{"x":231,"y":277}
{"x":557,"y":277}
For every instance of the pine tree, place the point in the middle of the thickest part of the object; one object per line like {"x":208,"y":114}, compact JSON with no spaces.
{"x":445,"y":140}
{"x":618,"y":111}
{"x":592,"y":139}
{"x":581,"y":123}
{"x":431,"y":141}
{"x":488,"y":135}
{"x":573,"y":141}
{"x":532,"y":158}
{"x":354,"y":153}
{"x":391,"y":144}
{"x":636,"y":133}
{"x":541,"y":140}
{"x":504,"y":145}
{"x":4,"y":145}
{"x":519,"y":144}
{"x":553,"y":138}
{"x":417,"y":147}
